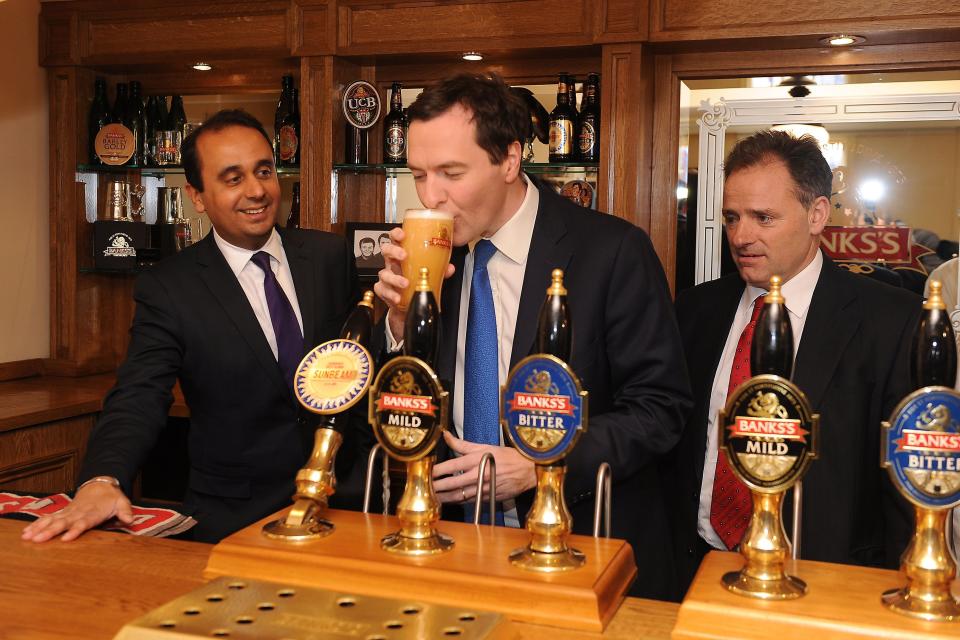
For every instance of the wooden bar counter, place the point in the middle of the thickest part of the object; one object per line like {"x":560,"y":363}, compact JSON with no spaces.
{"x":90,"y":588}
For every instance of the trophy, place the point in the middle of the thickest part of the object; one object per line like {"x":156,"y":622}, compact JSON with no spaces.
{"x":921,"y":450}
{"x":118,"y":201}
{"x":408,"y":412}
{"x":329,"y":381}
{"x":769,"y":435}
{"x":544,"y":411}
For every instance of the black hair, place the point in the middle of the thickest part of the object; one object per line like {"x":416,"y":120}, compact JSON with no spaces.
{"x":499,"y":116}
{"x":367,"y":239}
{"x":218,"y":122}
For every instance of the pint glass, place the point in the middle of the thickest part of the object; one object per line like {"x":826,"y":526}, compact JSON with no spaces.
{"x":428,"y":241}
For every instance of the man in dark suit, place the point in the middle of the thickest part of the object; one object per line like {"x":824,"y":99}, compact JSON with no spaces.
{"x":509,"y":233}
{"x":230,"y":318}
{"x":851,"y":336}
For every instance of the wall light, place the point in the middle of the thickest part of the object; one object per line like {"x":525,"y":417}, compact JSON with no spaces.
{"x":872,"y":190}
{"x":842,"y":40}
{"x":202,"y":66}
{"x":472,"y":56}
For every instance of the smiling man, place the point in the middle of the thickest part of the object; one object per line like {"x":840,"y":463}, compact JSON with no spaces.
{"x":229,"y":318}
{"x":510,"y":231}
{"x":851,"y":341}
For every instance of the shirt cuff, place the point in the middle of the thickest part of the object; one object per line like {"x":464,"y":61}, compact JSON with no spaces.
{"x":393,"y":345}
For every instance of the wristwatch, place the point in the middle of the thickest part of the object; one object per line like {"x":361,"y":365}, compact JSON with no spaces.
{"x":107,"y":479}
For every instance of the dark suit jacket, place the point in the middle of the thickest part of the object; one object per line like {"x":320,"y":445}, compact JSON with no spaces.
{"x":248,"y":434}
{"x":626,"y":351}
{"x":852,"y":365}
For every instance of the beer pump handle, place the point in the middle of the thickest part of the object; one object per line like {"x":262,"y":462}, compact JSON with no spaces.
{"x":359,"y":324}
{"x":554,"y":329}
{"x":421,"y":333}
{"x":771,"y":351}
{"x":933,"y":354}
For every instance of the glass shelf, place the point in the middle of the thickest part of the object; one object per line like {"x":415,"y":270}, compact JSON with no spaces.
{"x":529,"y":167}
{"x":158,"y":171}
{"x":128,"y":272}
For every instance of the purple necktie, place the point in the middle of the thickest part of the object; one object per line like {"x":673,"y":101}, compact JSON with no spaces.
{"x":284,"y":320}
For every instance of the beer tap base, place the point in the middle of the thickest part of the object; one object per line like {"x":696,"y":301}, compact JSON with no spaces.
{"x":781,"y":588}
{"x":936,"y":608}
{"x":556,"y":562}
{"x":405,"y":545}
{"x":302,"y":523}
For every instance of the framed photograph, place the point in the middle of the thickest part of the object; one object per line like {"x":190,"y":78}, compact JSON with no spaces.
{"x":367,"y":238}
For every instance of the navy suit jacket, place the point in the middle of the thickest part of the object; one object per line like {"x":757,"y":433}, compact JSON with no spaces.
{"x":852,"y":366}
{"x":248,"y":434}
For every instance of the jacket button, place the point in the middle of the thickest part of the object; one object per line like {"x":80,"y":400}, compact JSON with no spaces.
{"x":690,"y":552}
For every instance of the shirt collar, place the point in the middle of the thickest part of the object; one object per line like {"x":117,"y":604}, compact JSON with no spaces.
{"x":513,"y":238}
{"x":238,"y":257}
{"x":798,"y":290}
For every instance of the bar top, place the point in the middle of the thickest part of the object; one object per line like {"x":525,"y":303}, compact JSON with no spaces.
{"x":40,"y":399}
{"x":90,"y":588}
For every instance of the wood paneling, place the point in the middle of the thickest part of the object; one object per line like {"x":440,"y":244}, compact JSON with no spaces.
{"x":314,"y":27}
{"x":622,"y":20}
{"x":58,"y":40}
{"x":372,"y":26}
{"x":678,"y":20}
{"x":20,"y":369}
{"x":317,"y":115}
{"x":44,"y":458}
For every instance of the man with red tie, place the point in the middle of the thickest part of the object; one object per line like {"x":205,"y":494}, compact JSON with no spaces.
{"x":851,"y":340}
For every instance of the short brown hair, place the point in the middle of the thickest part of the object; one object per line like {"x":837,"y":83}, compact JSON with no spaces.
{"x":222,"y":119}
{"x":500,"y":117}
{"x":802,"y":157}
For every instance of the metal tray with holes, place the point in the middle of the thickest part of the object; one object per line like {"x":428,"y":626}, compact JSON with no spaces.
{"x":243,"y":609}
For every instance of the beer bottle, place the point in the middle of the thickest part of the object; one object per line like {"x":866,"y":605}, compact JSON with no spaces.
{"x":284,"y":108}
{"x":562,"y":125}
{"x":293,"y":220}
{"x":771,"y":350}
{"x":149,"y":129}
{"x":288,"y":136}
{"x":162,"y":115}
{"x":421,"y":335}
{"x":933,"y":354}
{"x":136,"y":126}
{"x":395,"y":129}
{"x":554,"y":328}
{"x":177,"y":118}
{"x":589,"y":122}
{"x":572,"y":101}
{"x":98,"y":118}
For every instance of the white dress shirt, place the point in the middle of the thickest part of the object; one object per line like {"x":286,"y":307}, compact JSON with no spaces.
{"x":506,"y":269}
{"x":797,"y":292}
{"x":251,"y":280}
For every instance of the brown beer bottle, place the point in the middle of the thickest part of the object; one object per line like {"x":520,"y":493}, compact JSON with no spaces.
{"x":588,"y":127}
{"x":98,"y":118}
{"x":395,"y":129}
{"x":772,"y":348}
{"x":293,"y":220}
{"x":562,"y":125}
{"x":933,"y":354}
{"x":554,"y":328}
{"x":421,"y":335}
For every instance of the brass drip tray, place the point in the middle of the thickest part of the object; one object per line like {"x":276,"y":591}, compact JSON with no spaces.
{"x":252,"y":609}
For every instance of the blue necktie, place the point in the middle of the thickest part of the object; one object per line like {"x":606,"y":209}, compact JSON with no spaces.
{"x":481,"y":389}
{"x":284,"y":320}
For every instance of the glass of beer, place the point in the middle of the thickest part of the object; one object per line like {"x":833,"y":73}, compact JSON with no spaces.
{"x":428,"y":241}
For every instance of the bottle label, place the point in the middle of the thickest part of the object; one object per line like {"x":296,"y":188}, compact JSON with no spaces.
{"x":561,"y":137}
{"x":408,"y":408}
{"x":333,"y":376}
{"x":361,"y":104}
{"x":588,"y":138}
{"x":396,"y":142}
{"x":115,"y":144}
{"x":289,"y":143}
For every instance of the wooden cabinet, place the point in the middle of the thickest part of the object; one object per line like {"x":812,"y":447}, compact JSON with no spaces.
{"x":46,"y":457}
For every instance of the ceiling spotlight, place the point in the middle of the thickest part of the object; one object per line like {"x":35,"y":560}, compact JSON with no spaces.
{"x":472,"y":56}
{"x":202,"y":66}
{"x":842,"y":40}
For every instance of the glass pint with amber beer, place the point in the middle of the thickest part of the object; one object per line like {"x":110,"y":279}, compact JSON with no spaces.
{"x":428,"y":241}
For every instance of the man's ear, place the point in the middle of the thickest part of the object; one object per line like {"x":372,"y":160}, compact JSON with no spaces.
{"x":195,"y":198}
{"x":511,"y":162}
{"x":819,"y":215}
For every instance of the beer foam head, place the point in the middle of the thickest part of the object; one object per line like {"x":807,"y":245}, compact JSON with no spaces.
{"x":430,"y":214}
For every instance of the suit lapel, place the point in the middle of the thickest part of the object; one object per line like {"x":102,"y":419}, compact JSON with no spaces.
{"x":226,"y":289}
{"x":302,"y":271}
{"x":450,"y":319}
{"x":831,"y":322}
{"x":547,"y":252}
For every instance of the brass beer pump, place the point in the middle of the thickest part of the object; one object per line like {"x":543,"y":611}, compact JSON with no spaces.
{"x":329,"y":381}
{"x":409,"y":412}
{"x":544,"y":411}
{"x":769,"y":436}
{"x":921,"y":449}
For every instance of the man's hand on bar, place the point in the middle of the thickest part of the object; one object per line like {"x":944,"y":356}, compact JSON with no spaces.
{"x":94,"y":504}
{"x":455,"y":480}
